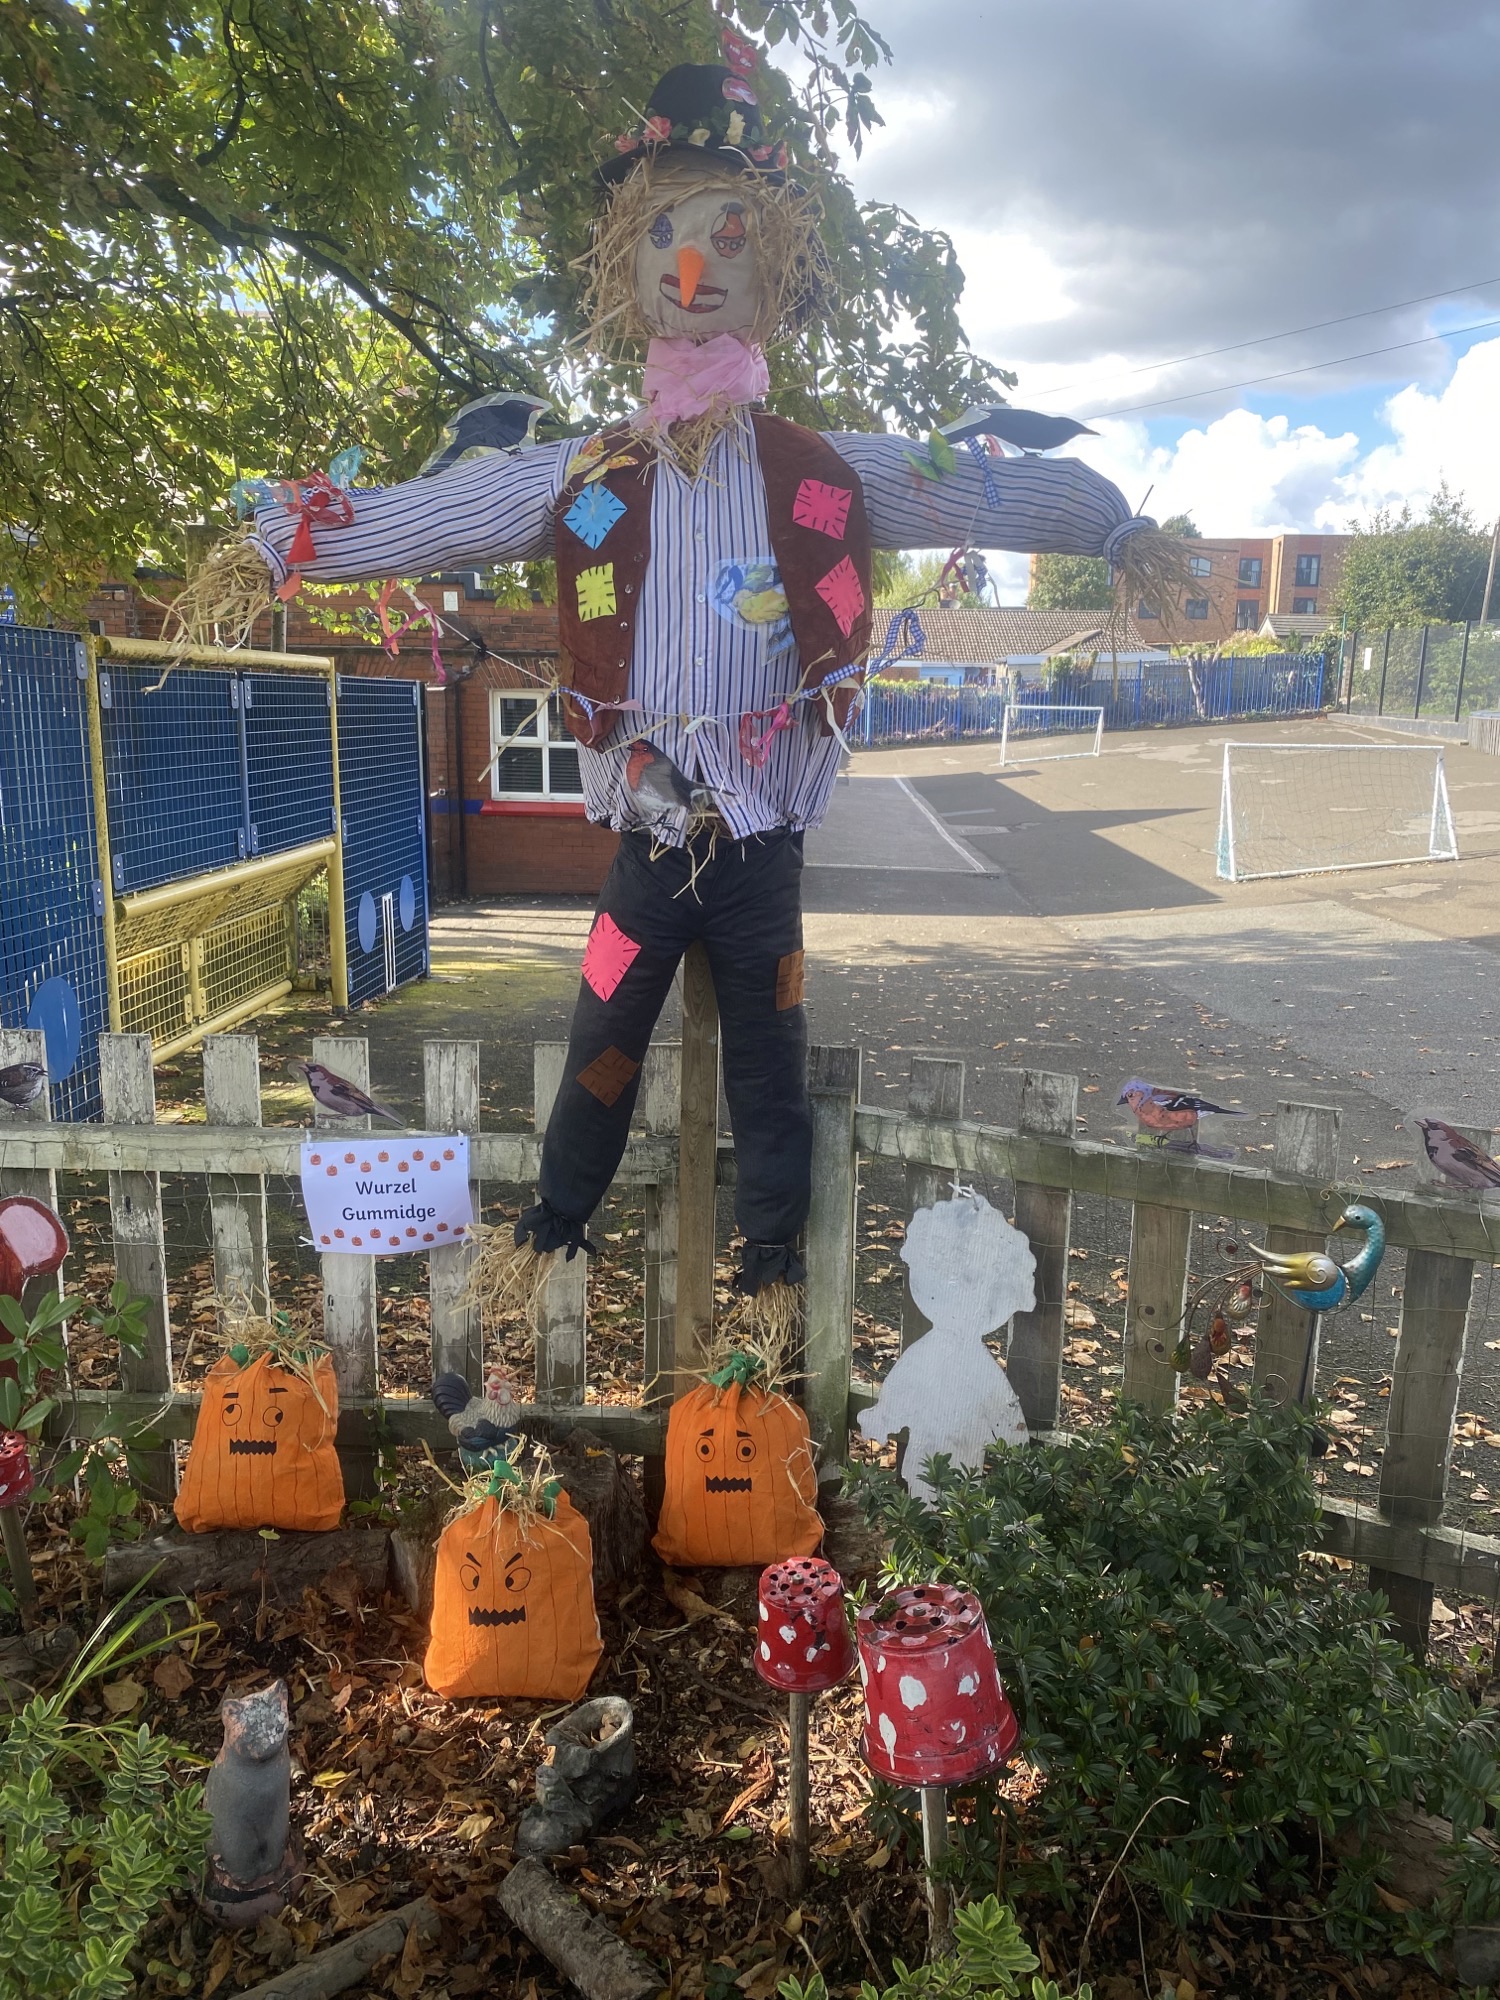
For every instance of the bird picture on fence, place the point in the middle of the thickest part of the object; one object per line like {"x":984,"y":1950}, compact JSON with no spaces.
{"x":1457,"y":1159}
{"x":1310,"y":1279}
{"x":337,"y":1094}
{"x":21,"y":1084}
{"x":1168,"y":1119}
{"x":710,"y":739}
{"x":970,"y":1273}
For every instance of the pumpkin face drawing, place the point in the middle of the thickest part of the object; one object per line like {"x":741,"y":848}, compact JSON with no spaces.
{"x":513,"y":1606}
{"x":263,"y":1451}
{"x":741,"y":1488}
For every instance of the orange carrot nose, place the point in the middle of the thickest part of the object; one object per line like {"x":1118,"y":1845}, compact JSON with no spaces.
{"x":690,"y":269}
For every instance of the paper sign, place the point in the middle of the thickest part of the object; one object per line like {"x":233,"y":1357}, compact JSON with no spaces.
{"x":371,"y":1196}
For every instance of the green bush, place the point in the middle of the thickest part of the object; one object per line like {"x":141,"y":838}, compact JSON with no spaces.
{"x":990,"y":1958}
{"x":96,"y":1829}
{"x":1209,"y":1709}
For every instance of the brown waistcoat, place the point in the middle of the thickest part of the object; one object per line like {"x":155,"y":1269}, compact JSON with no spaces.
{"x":820,"y":538}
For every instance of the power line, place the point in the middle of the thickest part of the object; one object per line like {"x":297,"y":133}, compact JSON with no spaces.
{"x":1311,"y":368}
{"x":1237,"y":346}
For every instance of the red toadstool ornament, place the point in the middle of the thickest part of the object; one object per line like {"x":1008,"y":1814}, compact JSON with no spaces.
{"x":33,"y":1242}
{"x":935,"y":1712}
{"x":15,"y":1468}
{"x":804,"y":1644}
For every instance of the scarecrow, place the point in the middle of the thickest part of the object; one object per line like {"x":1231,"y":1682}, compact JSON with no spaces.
{"x":714,"y":602}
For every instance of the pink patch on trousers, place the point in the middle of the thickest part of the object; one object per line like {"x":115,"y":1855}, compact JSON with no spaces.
{"x":609,"y":956}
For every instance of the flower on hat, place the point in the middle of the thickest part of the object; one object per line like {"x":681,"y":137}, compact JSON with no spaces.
{"x":627,"y":143}
{"x":739,"y":55}
{"x":735,"y":130}
{"x":658,"y":128}
{"x":739,"y":92}
{"x":698,"y":136}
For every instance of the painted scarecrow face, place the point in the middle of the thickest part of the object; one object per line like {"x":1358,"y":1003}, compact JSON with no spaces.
{"x":263,"y":1451}
{"x":696,"y":267}
{"x":741,"y":1485}
{"x":513,"y":1607}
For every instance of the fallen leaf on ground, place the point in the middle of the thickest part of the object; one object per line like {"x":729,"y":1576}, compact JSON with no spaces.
{"x":348,"y":1902}
{"x":173,"y":1676}
{"x":123,"y":1695}
{"x":691,"y":1605}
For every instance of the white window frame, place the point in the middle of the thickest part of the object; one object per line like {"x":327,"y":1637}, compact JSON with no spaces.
{"x":545,"y":731}
{"x":1197,"y":608}
{"x":1200,"y":566}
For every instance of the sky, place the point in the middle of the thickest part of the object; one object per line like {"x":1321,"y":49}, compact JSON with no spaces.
{"x":1126,"y":186}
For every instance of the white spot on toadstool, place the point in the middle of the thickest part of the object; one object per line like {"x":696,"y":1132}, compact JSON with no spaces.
{"x":913,"y":1693}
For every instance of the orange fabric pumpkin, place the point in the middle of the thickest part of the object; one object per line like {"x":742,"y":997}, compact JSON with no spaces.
{"x":263,"y":1451}
{"x":741,"y":1487}
{"x":513,"y":1605}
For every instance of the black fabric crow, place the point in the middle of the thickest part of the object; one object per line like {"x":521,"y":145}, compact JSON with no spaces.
{"x":494,"y":423}
{"x":1030,"y":430}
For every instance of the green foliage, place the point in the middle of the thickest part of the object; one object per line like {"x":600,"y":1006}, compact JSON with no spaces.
{"x":35,"y":1351}
{"x":1070,"y":583}
{"x":1183,"y":525}
{"x":97,"y":1827}
{"x":990,"y":1958}
{"x":902,"y":580}
{"x":1401,"y":569}
{"x":241,"y":236}
{"x":1209,"y":1710}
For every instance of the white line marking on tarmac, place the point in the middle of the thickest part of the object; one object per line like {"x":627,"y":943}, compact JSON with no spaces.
{"x":957,"y":845}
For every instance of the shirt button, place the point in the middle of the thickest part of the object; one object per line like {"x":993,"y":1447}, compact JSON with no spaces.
{"x":703,"y":597}
{"x":698,"y":662}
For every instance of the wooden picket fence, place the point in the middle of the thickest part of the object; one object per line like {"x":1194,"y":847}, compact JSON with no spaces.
{"x":676,"y":1161}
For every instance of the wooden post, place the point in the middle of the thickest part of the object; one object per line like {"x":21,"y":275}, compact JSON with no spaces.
{"x":18,"y":1555}
{"x":1425,"y":1380}
{"x":129,"y":1091}
{"x":1160,"y":1241}
{"x":798,"y":1790}
{"x":237,"y":1202}
{"x":562,"y":1313}
{"x":661,"y":1100}
{"x":935,"y":1856}
{"x":451,"y":1083}
{"x":832,"y":1225}
{"x":697,"y":1171}
{"x":351,"y":1321}
{"x":1049,"y":1108}
{"x":936,"y":1090}
{"x":1286,"y":1336}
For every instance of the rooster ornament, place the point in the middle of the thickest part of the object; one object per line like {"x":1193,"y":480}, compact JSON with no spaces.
{"x":715,"y":605}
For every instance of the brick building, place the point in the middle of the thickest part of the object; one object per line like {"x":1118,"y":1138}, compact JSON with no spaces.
{"x":1240,"y":583}
{"x":496,"y":826}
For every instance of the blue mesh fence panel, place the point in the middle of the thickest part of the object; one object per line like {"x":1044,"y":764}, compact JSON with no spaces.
{"x":289,"y":760}
{"x":51,"y":929}
{"x":174,"y":775}
{"x":1145,"y":696}
{"x":385,"y":838}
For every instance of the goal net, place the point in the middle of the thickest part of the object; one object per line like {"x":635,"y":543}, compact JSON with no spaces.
{"x":1310,"y":808}
{"x":1040,"y":732}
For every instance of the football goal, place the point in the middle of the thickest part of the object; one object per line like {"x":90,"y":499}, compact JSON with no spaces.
{"x":1042,"y":731}
{"x":1311,"y":808}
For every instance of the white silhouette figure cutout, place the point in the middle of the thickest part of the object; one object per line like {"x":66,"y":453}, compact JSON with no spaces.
{"x":970,"y":1272}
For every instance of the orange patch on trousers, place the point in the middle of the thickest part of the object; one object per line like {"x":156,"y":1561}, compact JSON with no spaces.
{"x":790,"y":983}
{"x":607,"y":1075}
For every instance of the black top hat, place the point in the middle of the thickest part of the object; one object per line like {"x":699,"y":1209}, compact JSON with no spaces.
{"x":707,"y":110}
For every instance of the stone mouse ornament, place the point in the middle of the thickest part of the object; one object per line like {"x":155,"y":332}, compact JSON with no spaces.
{"x":715,"y":594}
{"x":513,"y":1592}
{"x":970,"y":1272}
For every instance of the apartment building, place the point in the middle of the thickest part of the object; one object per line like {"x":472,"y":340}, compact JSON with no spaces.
{"x":1239,"y":583}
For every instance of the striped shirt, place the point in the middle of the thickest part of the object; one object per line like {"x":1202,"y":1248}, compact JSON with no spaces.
{"x":712,"y":641}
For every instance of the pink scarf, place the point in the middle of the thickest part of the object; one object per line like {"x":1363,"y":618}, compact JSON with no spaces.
{"x":686,"y":377}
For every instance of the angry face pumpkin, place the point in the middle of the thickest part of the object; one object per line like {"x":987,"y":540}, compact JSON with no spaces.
{"x":513,"y":1605}
{"x":263,"y":1453}
{"x":741,"y":1488}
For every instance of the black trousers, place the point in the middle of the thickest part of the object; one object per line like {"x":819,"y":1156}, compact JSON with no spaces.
{"x":745,"y":906}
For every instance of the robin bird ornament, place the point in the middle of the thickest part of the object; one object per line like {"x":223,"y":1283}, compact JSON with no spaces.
{"x":1169,"y":1118}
